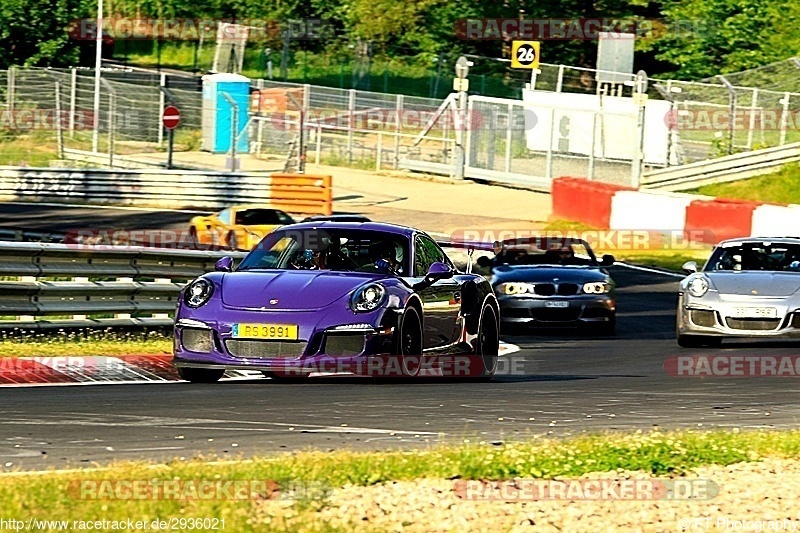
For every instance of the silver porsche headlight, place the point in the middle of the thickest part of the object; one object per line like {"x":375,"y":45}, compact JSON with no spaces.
{"x":596,"y":287}
{"x":698,"y":286}
{"x":368,"y":298}
{"x":198,"y":293}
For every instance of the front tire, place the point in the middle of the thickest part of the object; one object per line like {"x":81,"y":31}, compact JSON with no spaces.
{"x":698,"y":341}
{"x":487,"y":344}
{"x":408,"y":343}
{"x":200,"y":375}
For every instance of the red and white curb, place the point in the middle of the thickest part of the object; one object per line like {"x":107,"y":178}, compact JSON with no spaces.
{"x":101,"y":370}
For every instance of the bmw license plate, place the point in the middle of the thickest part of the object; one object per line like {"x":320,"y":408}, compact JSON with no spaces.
{"x":265,"y":331}
{"x":755,"y":312}
{"x":556,"y":304}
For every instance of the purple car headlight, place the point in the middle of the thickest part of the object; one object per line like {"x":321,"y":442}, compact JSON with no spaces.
{"x":368,"y":298}
{"x":198,"y":292}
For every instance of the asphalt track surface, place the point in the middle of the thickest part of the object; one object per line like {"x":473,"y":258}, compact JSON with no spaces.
{"x":564,"y":384}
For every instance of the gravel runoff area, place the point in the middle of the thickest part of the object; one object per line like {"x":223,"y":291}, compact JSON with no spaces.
{"x":753,"y":496}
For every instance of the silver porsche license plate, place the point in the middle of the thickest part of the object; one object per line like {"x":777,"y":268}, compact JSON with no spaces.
{"x":755,"y":312}
{"x":556,"y":304}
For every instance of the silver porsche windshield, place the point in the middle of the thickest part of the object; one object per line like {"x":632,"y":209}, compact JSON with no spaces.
{"x":343,"y":250}
{"x":757,"y":255}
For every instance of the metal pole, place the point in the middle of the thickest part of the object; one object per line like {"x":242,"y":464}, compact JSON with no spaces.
{"x":398,"y":129}
{"x":170,"y":139}
{"x":560,"y":82}
{"x":11,"y":88}
{"x":460,"y":152}
{"x":301,"y":154}
{"x":508,"y":137}
{"x":161,"y":105}
{"x":112,"y":122}
{"x":234,"y":124}
{"x":732,"y":111}
{"x":73,"y":87}
{"x":549,"y":161}
{"x":351,"y":109}
{"x":319,"y":143}
{"x":752,"y":125}
{"x":784,"y":117}
{"x":59,"y":131}
{"x":98,"y":63}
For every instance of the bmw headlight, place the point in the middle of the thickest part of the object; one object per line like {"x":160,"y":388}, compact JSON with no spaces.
{"x":596,"y":287}
{"x":198,"y":292}
{"x":514,"y":288}
{"x":368,"y":298}
{"x":698,"y":286}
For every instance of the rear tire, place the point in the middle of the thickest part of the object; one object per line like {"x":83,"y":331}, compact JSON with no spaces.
{"x":487,"y":344}
{"x":200,"y":375}
{"x":698,"y":341}
{"x":408,"y":343}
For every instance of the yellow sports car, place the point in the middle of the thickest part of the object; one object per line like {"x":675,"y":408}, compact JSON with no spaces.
{"x":238,"y":227}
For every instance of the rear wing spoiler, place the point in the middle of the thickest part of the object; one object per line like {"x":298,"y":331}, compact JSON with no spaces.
{"x":470,"y":246}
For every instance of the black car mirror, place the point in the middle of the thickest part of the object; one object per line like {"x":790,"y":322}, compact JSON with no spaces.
{"x":484,"y":262}
{"x":690,"y":267}
{"x":607,"y":260}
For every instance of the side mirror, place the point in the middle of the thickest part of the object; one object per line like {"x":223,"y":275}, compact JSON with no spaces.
{"x":689,"y":267}
{"x":607,"y":260}
{"x":437,"y":271}
{"x":224,"y":265}
{"x":484,"y":262}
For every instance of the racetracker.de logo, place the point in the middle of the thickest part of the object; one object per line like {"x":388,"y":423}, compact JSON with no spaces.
{"x":733,"y":366}
{"x":185,"y":29}
{"x":757,"y":119}
{"x":45,"y":119}
{"x":383,"y":118}
{"x":586,"y":489}
{"x":583,"y":29}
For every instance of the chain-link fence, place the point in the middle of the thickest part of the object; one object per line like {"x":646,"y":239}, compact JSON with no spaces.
{"x":49,"y":112}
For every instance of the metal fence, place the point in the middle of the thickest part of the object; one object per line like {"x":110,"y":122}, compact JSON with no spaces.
{"x":711,"y":119}
{"x":60,"y":285}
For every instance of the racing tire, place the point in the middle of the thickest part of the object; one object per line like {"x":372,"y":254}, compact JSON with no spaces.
{"x":200,"y":375}
{"x":232,"y":242}
{"x":487,"y":343}
{"x":698,"y":341}
{"x":408,"y":343}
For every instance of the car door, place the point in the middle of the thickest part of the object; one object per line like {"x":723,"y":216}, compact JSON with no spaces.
{"x":441,"y":301}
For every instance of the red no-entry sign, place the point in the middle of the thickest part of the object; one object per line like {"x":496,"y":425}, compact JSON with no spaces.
{"x":171,"y":117}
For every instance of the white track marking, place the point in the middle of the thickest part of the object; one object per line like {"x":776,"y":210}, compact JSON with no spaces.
{"x":651,"y":270}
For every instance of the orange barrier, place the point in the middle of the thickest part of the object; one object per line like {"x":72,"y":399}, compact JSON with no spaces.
{"x":584,"y":201}
{"x":308,"y":194}
{"x":720,"y":219}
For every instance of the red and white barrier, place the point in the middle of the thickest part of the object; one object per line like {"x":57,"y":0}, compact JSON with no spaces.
{"x":703,"y":218}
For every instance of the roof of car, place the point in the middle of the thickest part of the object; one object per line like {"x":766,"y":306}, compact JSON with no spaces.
{"x":739,"y":240}
{"x":367,"y":226}
{"x":254,"y":206}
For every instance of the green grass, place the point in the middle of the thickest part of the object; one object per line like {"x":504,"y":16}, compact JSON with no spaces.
{"x":779,"y":187}
{"x":85,"y":343}
{"x":54,"y":496}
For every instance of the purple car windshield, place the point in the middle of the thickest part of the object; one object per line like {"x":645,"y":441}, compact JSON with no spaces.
{"x":341,"y":250}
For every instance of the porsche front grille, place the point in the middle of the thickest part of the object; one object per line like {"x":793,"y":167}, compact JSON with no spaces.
{"x":265,"y":349}
{"x":753,"y":324}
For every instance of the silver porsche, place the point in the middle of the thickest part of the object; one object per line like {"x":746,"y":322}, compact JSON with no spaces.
{"x":749,"y":287}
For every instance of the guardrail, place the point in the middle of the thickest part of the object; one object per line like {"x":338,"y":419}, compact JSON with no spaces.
{"x":135,"y":285}
{"x":296,"y":193}
{"x":729,"y":168}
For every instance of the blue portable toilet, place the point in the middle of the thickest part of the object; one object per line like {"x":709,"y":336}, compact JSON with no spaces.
{"x":218,"y":112}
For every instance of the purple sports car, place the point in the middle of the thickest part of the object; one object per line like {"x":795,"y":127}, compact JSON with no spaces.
{"x":328,"y":297}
